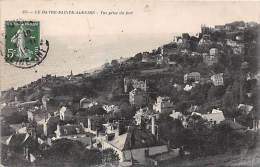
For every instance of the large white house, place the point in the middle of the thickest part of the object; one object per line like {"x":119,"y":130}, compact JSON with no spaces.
{"x":163,"y":104}
{"x":216,"y":116}
{"x":135,"y":144}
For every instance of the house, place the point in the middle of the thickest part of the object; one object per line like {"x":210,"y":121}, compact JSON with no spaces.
{"x":188,"y":88}
{"x":22,"y":130}
{"x":205,"y":29}
{"x":22,"y":144}
{"x":245,"y":108}
{"x":213,"y":52}
{"x":143,"y":114}
{"x":205,"y":41}
{"x":135,"y":83}
{"x":231,"y":43}
{"x":87,"y":103}
{"x":195,"y":76}
{"x":216,"y":116}
{"x":228,"y":27}
{"x":250,"y":76}
{"x":35,"y":115}
{"x":111,"y":108}
{"x":73,"y":132}
{"x":137,"y":97}
{"x":65,"y":114}
{"x":110,"y":128}
{"x":159,"y":59}
{"x":179,"y":41}
{"x":239,"y":49}
{"x":210,"y":59}
{"x":163,"y":104}
{"x":217,"y":79}
{"x":18,"y":140}
{"x":139,"y":84}
{"x":49,"y":125}
{"x":251,"y":24}
{"x":170,"y":49}
{"x":176,"y":115}
{"x":139,"y":116}
{"x":185,"y":36}
{"x":148,"y":58}
{"x":219,"y":28}
{"x":135,"y":144}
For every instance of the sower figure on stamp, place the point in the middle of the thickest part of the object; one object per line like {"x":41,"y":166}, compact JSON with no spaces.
{"x":19,"y":40}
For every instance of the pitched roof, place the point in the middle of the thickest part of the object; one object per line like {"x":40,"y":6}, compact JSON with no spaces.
{"x":71,"y":130}
{"x":218,"y":116}
{"x":17,"y":139}
{"x":134,"y":138}
{"x":176,"y":115}
{"x":245,"y":107}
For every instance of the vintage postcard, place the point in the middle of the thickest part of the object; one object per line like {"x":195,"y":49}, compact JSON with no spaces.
{"x":129,"y":83}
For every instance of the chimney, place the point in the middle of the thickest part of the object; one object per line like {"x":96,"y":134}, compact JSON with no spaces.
{"x":125,"y":85}
{"x":145,"y":86}
{"x":58,"y":131}
{"x":89,"y":123}
{"x":121,"y":128}
{"x":153,"y":125}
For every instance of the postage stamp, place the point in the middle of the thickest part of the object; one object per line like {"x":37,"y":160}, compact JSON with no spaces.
{"x":23,"y":46}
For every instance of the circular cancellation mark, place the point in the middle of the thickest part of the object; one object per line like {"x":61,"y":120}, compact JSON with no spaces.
{"x":23,"y":47}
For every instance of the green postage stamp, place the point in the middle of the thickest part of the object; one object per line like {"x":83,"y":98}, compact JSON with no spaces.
{"x":23,"y":47}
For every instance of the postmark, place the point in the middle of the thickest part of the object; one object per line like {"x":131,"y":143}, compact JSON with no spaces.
{"x":23,"y":46}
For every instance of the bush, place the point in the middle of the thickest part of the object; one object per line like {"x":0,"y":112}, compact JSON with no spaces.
{"x":16,"y":118}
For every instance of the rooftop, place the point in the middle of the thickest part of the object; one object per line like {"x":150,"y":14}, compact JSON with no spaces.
{"x":134,"y":138}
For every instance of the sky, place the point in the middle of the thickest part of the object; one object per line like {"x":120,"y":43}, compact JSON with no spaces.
{"x":81,"y":42}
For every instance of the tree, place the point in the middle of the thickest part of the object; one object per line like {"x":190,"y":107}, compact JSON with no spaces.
{"x":169,"y":129}
{"x":96,"y":110}
{"x":218,"y":68}
{"x":91,"y":157}
{"x":228,"y":103}
{"x":16,"y":118}
{"x":97,"y":122}
{"x":109,"y":156}
{"x":127,"y":111}
{"x":114,"y":63}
